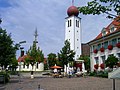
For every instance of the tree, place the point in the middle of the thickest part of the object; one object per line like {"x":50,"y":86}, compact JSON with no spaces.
{"x":52,"y":59}
{"x":86,"y":61}
{"x":109,"y":7}
{"x":66,"y":54}
{"x":7,"y":49}
{"x":34,"y":54}
{"x":111,"y":61}
{"x":14,"y":64}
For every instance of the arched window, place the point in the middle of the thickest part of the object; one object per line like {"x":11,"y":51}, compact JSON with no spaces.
{"x":70,"y":22}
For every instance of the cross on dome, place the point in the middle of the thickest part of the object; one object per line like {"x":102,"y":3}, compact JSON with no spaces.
{"x":72,"y":2}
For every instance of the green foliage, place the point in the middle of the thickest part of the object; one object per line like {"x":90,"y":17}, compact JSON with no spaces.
{"x":110,"y":7}
{"x":99,"y":74}
{"x":6,"y":75}
{"x":52,"y":59}
{"x":111,"y":61}
{"x":7,"y":49}
{"x":34,"y":55}
{"x":14,"y":64}
{"x":66,"y":55}
{"x":86,"y":61}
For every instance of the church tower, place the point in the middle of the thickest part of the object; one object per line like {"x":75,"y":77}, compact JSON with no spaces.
{"x":73,"y":31}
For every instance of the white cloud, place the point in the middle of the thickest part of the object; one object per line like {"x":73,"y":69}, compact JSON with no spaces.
{"x":23,"y":16}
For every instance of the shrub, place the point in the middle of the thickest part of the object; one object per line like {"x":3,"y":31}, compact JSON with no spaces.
{"x":6,"y":75}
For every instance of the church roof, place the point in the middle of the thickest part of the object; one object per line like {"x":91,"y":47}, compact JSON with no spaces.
{"x":115,"y":25}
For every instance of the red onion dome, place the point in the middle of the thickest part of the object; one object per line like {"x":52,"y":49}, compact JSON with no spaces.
{"x":118,"y":45}
{"x":95,"y":51}
{"x":110,"y":47}
{"x":72,"y":10}
{"x":102,"y":49}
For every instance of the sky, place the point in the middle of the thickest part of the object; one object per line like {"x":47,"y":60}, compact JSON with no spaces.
{"x":22,"y":17}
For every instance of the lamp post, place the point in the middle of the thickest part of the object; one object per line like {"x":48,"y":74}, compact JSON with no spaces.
{"x":21,"y":54}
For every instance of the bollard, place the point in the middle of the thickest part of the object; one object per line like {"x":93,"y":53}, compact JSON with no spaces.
{"x":113,"y":84}
{"x":39,"y":87}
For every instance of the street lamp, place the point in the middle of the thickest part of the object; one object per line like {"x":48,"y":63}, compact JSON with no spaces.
{"x":21,"y":54}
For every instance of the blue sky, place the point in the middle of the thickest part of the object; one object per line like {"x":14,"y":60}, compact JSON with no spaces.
{"x":22,"y":17}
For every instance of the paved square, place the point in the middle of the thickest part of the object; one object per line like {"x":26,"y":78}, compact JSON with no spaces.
{"x":49,"y":83}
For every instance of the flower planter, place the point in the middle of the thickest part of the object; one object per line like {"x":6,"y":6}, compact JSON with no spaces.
{"x":110,"y":47}
{"x":95,"y":51}
{"x":118,"y":45}
{"x":102,"y":66}
{"x":96,"y":66}
{"x":102,"y":49}
{"x":118,"y":64}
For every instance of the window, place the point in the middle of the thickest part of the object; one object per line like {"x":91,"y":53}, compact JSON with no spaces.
{"x":27,"y":66}
{"x":37,"y":65}
{"x":106,"y":44}
{"x":70,"y":23}
{"x":78,"y":23}
{"x":114,"y":42}
{"x":77,"y":47}
{"x":96,"y":60}
{"x":69,"y":30}
{"x":118,"y":39}
{"x":118,"y":54}
{"x":99,"y":46}
{"x":103,"y":31}
{"x":24,"y":65}
{"x":110,"y":42}
{"x":77,"y":39}
{"x":112,"y":29}
{"x":103,"y":58}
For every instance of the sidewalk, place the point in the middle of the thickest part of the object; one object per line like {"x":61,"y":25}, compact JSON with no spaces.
{"x":49,"y":83}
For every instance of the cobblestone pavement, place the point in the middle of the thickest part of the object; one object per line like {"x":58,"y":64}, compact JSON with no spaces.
{"x":49,"y":83}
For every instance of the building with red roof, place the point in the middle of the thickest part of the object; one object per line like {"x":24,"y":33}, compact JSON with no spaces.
{"x":105,"y":44}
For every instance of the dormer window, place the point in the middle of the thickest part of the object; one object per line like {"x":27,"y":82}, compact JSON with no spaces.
{"x":112,"y":28}
{"x":104,"y":32}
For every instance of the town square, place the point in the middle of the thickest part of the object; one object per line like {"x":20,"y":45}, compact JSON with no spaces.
{"x":59,"y":45}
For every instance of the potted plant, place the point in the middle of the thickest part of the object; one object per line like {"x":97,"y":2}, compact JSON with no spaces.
{"x":102,"y":49}
{"x":102,"y":66}
{"x":95,"y":51}
{"x":96,"y":66}
{"x":118,"y":44}
{"x":110,"y":47}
